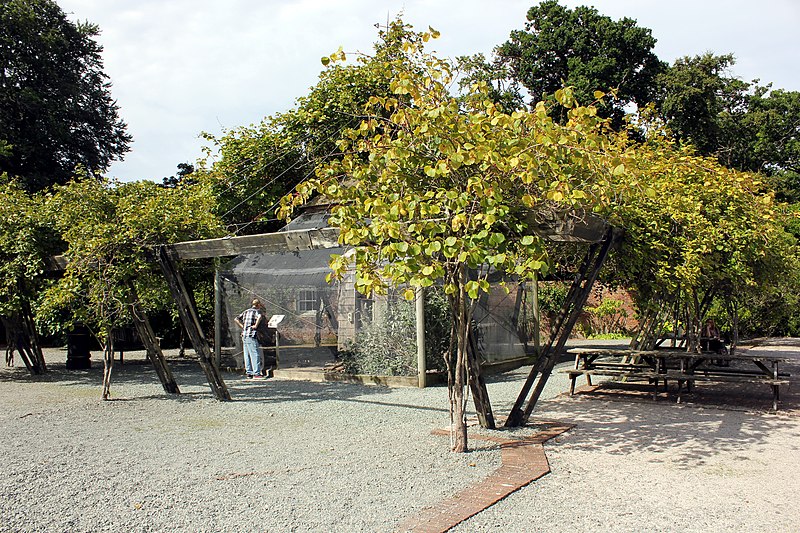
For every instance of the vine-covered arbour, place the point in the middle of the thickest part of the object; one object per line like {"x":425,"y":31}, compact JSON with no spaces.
{"x":428,"y":187}
{"x":444,"y":186}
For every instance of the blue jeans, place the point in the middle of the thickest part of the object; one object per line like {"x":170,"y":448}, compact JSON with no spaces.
{"x":252,"y":356}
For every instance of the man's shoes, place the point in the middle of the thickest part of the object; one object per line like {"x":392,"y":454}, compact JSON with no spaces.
{"x":257,"y":376}
{"x":248,"y":376}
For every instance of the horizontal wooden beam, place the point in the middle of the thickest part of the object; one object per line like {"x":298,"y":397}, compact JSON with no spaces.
{"x":568,"y":226}
{"x":282,"y":241}
{"x":55,"y":263}
{"x":586,"y":228}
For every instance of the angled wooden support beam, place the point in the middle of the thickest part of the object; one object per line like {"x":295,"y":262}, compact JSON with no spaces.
{"x":515,"y":417}
{"x":281,"y":241}
{"x":573,"y":306}
{"x":187,"y":311}
{"x":145,"y":331}
{"x":27,"y":340}
{"x":477,"y":384}
{"x":27,"y":357}
{"x":32,"y":337}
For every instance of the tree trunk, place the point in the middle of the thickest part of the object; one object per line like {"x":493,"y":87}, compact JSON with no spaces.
{"x":457,"y":374}
{"x":733,"y":313}
{"x":458,"y":418}
{"x":108,"y":364}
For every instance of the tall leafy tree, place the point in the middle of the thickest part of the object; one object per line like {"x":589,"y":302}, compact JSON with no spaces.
{"x":445,"y":190}
{"x":765,"y":138}
{"x":251,"y":167}
{"x":503,"y":89}
{"x":696,"y":93}
{"x":586,"y":50}
{"x":56,"y":110}
{"x":744,"y":125}
{"x":182,"y":177}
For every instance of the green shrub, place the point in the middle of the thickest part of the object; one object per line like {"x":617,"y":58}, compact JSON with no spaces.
{"x":387,"y":346}
{"x":607,"y":318}
{"x":608,"y":336}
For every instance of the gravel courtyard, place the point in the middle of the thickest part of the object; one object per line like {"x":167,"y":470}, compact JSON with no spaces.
{"x":304,"y":456}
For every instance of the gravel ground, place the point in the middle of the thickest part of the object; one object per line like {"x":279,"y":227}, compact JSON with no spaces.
{"x":302,"y":456}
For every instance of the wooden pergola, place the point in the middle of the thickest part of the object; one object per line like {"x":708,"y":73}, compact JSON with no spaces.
{"x":580,"y":228}
{"x":577,"y":227}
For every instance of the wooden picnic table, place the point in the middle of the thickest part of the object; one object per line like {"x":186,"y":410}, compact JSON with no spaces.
{"x":680,"y":366}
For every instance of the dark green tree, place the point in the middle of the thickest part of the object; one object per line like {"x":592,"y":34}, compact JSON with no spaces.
{"x":182,"y":177}
{"x":774,"y":117}
{"x":695,"y":93}
{"x":586,"y":50}
{"x":56,"y":110}
{"x":744,"y":125}
{"x":766,"y":139}
{"x":503,"y":90}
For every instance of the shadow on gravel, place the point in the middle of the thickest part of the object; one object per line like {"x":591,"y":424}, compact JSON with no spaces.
{"x":623,"y":418}
{"x":189,"y":376}
{"x":619,"y":428}
{"x":403,"y":405}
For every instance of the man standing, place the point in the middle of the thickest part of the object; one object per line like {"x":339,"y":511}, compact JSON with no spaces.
{"x":249,"y":321}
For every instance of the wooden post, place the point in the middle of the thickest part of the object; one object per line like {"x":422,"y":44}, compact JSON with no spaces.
{"x":108,"y":366}
{"x":477,"y":384}
{"x":32,"y":339}
{"x":188,"y":314}
{"x":422,"y":365}
{"x":19,"y":340}
{"x":318,"y":317}
{"x":145,"y":331}
{"x":277,"y":347}
{"x":515,"y":418}
{"x":537,"y":318}
{"x":23,"y":349}
{"x":217,"y":313}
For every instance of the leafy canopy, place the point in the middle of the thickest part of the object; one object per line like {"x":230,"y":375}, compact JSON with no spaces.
{"x":27,"y":239}
{"x":434,"y":187}
{"x":110,"y":230}
{"x":700,"y":228}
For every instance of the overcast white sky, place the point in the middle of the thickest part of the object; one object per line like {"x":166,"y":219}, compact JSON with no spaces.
{"x":179,"y":67}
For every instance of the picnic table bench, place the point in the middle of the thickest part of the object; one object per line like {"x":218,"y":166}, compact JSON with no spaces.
{"x":683,"y":367}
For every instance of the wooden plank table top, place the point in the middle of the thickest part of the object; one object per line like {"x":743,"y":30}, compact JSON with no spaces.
{"x":673,"y":353}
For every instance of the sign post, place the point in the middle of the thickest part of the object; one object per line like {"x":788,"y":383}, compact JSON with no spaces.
{"x":274,"y":320}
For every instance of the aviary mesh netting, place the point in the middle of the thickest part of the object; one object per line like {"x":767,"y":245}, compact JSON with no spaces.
{"x":322,"y":321}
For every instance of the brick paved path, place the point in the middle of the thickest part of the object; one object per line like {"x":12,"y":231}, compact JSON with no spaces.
{"x":524,"y":461}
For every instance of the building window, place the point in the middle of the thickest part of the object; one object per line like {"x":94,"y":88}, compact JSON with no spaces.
{"x":306,"y":300}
